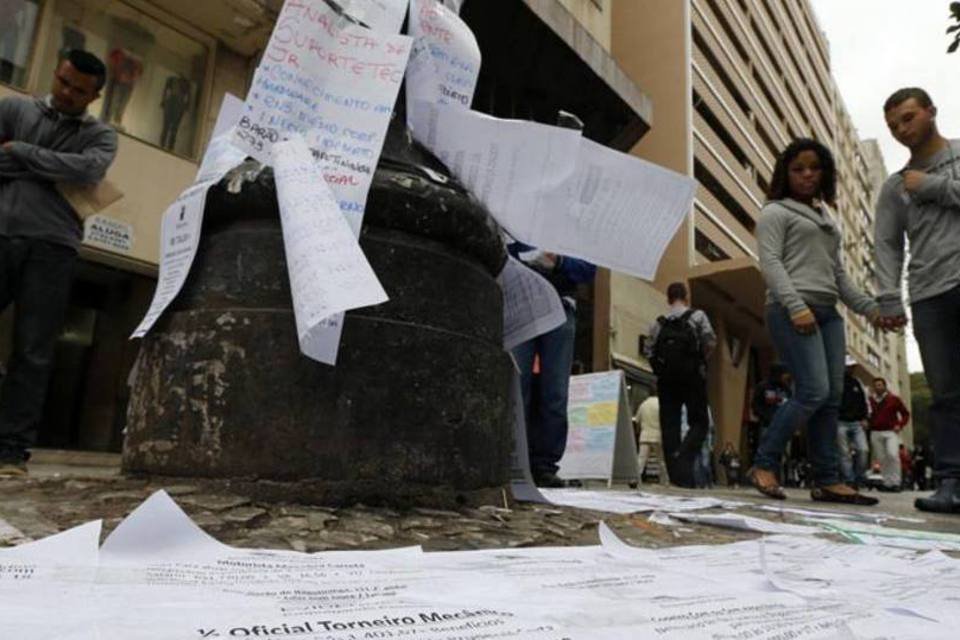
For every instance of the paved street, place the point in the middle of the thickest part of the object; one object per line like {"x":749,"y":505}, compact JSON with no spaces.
{"x":67,"y":489}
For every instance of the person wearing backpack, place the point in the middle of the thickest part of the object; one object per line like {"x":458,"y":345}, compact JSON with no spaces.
{"x":799,"y":250}
{"x":678,"y":346}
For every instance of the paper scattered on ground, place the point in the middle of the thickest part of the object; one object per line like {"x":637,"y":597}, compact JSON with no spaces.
{"x":159,"y":577}
{"x":10,"y":535}
{"x":877,"y":517}
{"x":873,"y":534}
{"x":633,"y":501}
{"x":744,"y":523}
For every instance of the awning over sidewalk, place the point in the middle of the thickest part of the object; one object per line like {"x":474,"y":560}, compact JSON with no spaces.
{"x":734,"y":285}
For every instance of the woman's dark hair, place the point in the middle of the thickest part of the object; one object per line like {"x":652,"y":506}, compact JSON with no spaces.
{"x":779,"y":183}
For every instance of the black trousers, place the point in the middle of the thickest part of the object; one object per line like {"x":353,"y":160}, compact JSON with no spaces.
{"x":36,"y":276}
{"x":680,"y":453}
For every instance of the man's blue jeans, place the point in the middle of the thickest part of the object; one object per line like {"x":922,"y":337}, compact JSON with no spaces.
{"x":546,"y":412}
{"x":816,"y":362}
{"x":936,"y":325}
{"x":854,"y":451}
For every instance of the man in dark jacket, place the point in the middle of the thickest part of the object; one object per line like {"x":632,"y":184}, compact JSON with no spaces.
{"x":43,"y":143}
{"x":545,"y":404}
{"x":851,"y":438}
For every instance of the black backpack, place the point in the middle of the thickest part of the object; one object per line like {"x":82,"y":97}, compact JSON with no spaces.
{"x":676,"y":353}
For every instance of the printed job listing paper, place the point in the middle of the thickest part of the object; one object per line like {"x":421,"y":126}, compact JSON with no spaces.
{"x":551,"y":188}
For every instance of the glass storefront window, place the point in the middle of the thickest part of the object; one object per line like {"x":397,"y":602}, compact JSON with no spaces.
{"x":155,"y":74}
{"x":18,"y":23}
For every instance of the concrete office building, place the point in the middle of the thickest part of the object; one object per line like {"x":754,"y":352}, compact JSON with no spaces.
{"x":733,"y":82}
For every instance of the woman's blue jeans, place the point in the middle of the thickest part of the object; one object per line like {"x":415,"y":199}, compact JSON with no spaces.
{"x":816,"y":362}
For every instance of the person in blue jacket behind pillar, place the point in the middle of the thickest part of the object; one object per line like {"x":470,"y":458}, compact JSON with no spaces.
{"x":545,"y":406}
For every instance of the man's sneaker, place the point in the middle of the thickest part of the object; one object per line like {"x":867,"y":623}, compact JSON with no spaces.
{"x":10,"y":469}
{"x":945,"y":500}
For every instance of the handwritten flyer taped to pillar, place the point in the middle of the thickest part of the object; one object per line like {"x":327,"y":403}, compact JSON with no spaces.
{"x":445,"y":60}
{"x":328,"y":271}
{"x":334,"y":83}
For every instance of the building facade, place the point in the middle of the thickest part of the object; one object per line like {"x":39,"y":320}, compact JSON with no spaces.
{"x":734,"y":81}
{"x":170,"y":62}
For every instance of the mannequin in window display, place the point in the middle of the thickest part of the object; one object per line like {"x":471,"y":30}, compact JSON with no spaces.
{"x":175,"y":103}
{"x":17,"y":21}
{"x":71,"y":39}
{"x":124,"y":69}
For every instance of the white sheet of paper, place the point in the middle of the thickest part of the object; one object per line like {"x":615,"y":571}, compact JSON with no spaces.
{"x":551,"y":188}
{"x":334,"y":83}
{"x":531,"y":305}
{"x":445,"y":60}
{"x":618,"y":211}
{"x":328,"y":272}
{"x":632,"y":501}
{"x":179,"y":240}
{"x":157,"y":529}
{"x":182,"y":221}
{"x":385,"y":16}
{"x":873,"y":534}
{"x":160,"y":578}
{"x":745,"y":523}
{"x":511,"y":166}
{"x":221,"y":154}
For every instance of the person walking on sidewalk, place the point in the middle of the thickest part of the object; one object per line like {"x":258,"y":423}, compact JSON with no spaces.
{"x":651,"y":441}
{"x":799,"y":246}
{"x":43,"y":142}
{"x":921,"y":203}
{"x":851,"y":437}
{"x":678,"y":347}
{"x":888,"y":416}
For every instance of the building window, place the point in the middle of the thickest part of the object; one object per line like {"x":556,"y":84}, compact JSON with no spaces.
{"x":707,"y":248}
{"x":18,"y":23}
{"x":155,"y":75}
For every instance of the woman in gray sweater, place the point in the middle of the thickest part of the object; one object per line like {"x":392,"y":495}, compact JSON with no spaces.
{"x":799,"y":246}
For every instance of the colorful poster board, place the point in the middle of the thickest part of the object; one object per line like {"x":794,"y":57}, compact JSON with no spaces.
{"x":600,"y":443}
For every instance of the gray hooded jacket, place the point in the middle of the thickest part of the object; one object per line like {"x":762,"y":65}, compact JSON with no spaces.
{"x":47,"y":148}
{"x":801,"y":261}
{"x":930,"y":218}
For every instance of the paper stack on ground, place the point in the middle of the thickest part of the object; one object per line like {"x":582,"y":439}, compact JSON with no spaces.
{"x":158,"y":576}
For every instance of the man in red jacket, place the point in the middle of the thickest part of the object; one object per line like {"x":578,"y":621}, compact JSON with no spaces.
{"x":888,"y":416}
